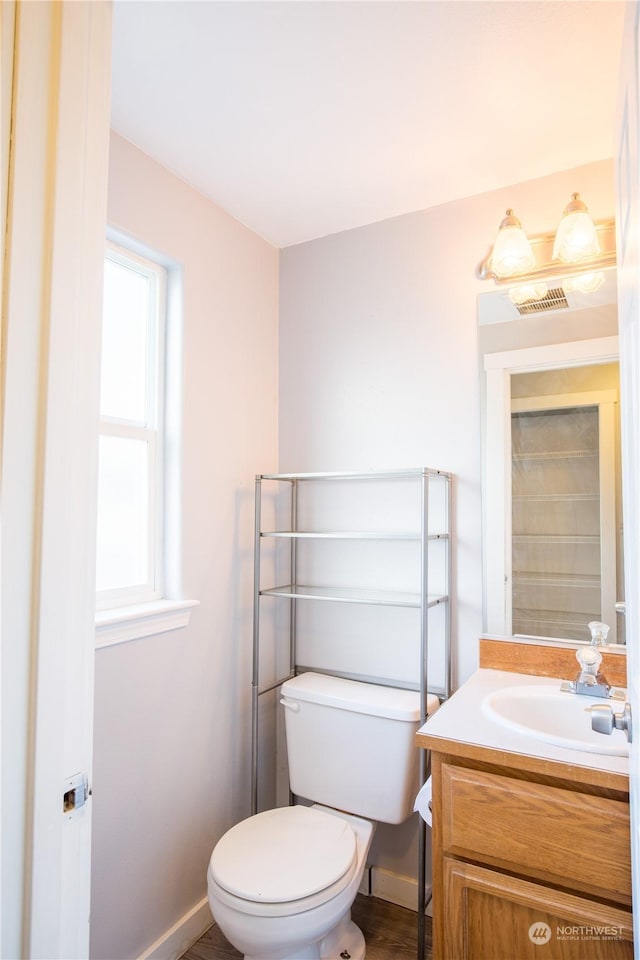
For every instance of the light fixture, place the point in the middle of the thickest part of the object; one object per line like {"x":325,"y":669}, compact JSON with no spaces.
{"x":512,"y":251}
{"x":572,"y":259}
{"x":583,"y":282}
{"x":576,"y":237}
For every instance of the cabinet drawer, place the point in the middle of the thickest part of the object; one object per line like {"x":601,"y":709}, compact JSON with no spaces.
{"x":549,"y":833}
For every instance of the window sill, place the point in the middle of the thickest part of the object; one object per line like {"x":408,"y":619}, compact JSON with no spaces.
{"x":141,"y":620}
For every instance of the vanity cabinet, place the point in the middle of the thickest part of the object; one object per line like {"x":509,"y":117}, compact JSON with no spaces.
{"x":531,"y":859}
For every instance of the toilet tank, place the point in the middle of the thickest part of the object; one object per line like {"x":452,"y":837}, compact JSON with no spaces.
{"x":351,"y":745}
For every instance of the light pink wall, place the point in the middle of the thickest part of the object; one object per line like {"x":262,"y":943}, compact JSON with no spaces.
{"x":172,"y":711}
{"x":379,"y":367}
{"x":379,"y":363}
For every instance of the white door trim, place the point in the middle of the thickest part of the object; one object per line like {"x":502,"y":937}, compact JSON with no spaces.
{"x":628,"y":253}
{"x":56,"y":233}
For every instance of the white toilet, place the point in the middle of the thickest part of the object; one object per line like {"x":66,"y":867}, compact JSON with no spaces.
{"x":281,"y":883}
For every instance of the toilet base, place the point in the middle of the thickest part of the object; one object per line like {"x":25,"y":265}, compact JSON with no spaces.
{"x":344,"y":942}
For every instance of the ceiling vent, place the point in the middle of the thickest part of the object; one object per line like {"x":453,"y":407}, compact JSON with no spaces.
{"x":553,"y":300}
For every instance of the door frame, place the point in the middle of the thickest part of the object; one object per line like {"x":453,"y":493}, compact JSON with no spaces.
{"x":52,"y":280}
{"x":628,"y":255}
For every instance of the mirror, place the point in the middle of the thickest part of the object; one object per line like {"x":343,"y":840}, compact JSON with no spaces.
{"x":552,"y":516}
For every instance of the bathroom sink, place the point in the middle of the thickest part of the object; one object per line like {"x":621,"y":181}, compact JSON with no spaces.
{"x":544,"y":713}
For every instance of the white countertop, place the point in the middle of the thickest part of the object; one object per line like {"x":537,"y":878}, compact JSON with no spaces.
{"x":462,"y":719}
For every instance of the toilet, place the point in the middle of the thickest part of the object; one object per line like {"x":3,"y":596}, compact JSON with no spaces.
{"x":281,"y":883}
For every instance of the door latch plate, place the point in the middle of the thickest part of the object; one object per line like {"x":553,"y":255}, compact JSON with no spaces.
{"x":75,"y":793}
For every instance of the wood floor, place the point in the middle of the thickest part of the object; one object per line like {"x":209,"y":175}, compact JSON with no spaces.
{"x":390,"y":932}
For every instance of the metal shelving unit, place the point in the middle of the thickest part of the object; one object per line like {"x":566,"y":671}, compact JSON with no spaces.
{"x":423,"y":599}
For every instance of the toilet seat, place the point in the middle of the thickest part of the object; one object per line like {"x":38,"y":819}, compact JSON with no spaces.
{"x":285,"y":855}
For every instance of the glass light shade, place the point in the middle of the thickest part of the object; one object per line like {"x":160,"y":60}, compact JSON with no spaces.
{"x":512,"y":253}
{"x":583,"y":283}
{"x":576,"y":237}
{"x":527,"y":292}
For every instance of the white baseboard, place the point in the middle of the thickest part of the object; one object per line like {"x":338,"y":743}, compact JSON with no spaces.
{"x":365,"y":883}
{"x":396,"y":888}
{"x":376,"y":882}
{"x":181,"y":935}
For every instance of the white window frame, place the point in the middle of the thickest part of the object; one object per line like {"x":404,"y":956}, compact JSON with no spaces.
{"x":150,"y":431}
{"x":163,"y":607}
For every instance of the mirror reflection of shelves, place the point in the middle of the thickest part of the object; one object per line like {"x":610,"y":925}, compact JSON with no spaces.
{"x":563,"y":516}
{"x":561,"y":373}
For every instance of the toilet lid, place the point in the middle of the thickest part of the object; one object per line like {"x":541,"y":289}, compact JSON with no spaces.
{"x":283,"y":854}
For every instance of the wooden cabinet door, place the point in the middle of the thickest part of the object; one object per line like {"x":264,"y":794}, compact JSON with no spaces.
{"x":490,"y":916}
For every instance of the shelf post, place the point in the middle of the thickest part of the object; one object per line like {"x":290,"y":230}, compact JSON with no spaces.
{"x":449,"y":495}
{"x":424,"y":647}
{"x":255,"y":680}
{"x":293,"y":573}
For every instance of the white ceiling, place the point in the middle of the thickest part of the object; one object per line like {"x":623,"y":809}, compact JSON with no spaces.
{"x":302,"y":119}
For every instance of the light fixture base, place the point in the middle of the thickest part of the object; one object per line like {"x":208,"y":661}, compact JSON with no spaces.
{"x":547,"y":269}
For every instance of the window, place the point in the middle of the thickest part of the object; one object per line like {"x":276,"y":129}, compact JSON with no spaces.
{"x":130,"y":531}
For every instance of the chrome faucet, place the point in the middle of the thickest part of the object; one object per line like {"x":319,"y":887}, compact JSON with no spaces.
{"x":590,"y":682}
